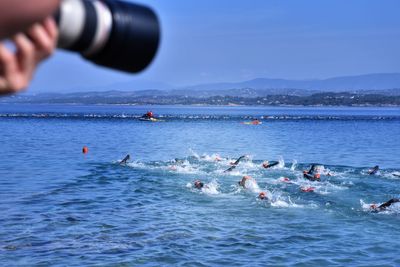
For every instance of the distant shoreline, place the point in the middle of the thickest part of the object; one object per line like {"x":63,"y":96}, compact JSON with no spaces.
{"x":320,"y":99}
{"x":204,"y":105}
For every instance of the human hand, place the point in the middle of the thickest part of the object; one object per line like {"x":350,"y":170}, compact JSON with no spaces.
{"x":17,"y":69}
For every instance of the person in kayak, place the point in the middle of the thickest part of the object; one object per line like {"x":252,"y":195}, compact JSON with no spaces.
{"x":148,"y":115}
{"x":266,"y":164}
{"x":374,"y":170}
{"x":384,"y":206}
{"x":125,"y":160}
{"x":311,"y":174}
{"x":234,"y":164}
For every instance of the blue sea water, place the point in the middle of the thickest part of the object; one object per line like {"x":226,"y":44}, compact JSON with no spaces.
{"x":60,"y":207}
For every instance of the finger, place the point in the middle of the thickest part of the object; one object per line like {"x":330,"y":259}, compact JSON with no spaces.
{"x":8,"y":61}
{"x":8,"y":70}
{"x":25,"y":53}
{"x":42,"y":41}
{"x":50,"y":26}
{"x":4,"y":88}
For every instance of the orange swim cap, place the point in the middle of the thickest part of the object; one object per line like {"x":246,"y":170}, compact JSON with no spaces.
{"x":262,"y":195}
{"x":317,"y":176}
{"x":85,"y":150}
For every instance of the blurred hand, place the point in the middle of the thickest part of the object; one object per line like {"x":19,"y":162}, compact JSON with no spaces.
{"x":17,"y":69}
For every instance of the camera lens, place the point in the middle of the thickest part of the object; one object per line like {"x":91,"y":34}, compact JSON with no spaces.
{"x":114,"y":34}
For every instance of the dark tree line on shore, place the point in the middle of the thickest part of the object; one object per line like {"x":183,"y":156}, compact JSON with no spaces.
{"x":317,"y":99}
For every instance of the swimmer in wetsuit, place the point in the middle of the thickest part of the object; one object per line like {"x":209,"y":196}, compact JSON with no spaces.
{"x":385,"y":205}
{"x":245,"y":179}
{"x":262,"y":196}
{"x":266,"y":164}
{"x":125,"y":160}
{"x":198,"y":184}
{"x":374,"y":170}
{"x":310,"y":174}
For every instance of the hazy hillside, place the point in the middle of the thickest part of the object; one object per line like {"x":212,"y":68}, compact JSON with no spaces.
{"x":379,"y":81}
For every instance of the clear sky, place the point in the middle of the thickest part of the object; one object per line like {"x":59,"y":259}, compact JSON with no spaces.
{"x":230,"y":40}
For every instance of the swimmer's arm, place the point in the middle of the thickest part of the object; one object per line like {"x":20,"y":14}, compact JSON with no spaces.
{"x":388,"y":203}
{"x":230,"y":168}
{"x":238,"y":160}
{"x":17,"y":15}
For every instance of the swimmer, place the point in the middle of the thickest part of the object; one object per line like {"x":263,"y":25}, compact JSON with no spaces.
{"x":217,"y":158}
{"x":384,"y":206}
{"x":125,"y":160}
{"x":307,"y":189}
{"x":198,"y":184}
{"x":245,"y":179}
{"x":179,"y":161}
{"x":234,"y":164}
{"x":262,"y":196}
{"x":173,"y":168}
{"x":266,"y":164}
{"x":285,"y":180}
{"x":374,"y":170}
{"x":310,"y":174}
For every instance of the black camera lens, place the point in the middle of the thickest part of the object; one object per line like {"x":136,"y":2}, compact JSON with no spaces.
{"x":114,"y":34}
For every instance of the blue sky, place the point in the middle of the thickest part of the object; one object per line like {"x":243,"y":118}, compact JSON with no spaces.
{"x":230,"y":40}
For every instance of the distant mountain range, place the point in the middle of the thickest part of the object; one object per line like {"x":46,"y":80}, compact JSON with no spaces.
{"x":381,"y":81}
{"x":378,"y":81}
{"x":384,"y":84}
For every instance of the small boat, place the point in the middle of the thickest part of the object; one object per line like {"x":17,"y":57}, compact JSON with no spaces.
{"x":150,"y":119}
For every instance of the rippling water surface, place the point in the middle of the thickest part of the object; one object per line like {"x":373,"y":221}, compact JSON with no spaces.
{"x":60,"y":207}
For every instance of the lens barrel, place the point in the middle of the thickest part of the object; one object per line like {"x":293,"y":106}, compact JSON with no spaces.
{"x":114,"y":34}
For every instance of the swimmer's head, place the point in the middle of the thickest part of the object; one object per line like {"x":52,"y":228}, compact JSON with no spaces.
{"x":198,"y":184}
{"x":262,"y":196}
{"x":304,"y":172}
{"x":373,"y":207}
{"x":265,"y":164}
{"x":317,"y":176}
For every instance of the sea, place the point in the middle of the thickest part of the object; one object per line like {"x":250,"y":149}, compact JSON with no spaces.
{"x":62,"y":207}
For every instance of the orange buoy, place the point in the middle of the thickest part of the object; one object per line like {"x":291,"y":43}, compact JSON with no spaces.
{"x":85,"y":150}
